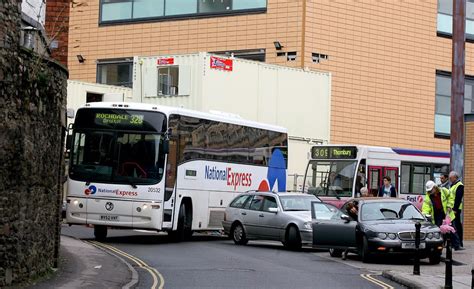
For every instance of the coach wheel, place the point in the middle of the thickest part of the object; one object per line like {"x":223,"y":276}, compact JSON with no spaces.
{"x":100,"y":232}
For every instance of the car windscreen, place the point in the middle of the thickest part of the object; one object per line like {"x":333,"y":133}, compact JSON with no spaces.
{"x":331,"y":177}
{"x":389,"y":211}
{"x":297,"y":203}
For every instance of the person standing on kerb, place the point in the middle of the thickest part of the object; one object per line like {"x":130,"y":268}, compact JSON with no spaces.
{"x":387,"y":190}
{"x":457,"y":191}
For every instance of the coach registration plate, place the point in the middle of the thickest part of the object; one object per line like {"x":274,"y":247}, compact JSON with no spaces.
{"x":109,"y":218}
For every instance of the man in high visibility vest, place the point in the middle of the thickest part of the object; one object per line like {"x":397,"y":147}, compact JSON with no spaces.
{"x":457,"y":192}
{"x":437,"y":203}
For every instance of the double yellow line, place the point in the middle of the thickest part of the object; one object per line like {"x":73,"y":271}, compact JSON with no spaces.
{"x":369,"y":278}
{"x":158,"y":280}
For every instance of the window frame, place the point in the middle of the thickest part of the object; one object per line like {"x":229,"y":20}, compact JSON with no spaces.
{"x":168,"y":68}
{"x":432,"y":167}
{"x":105,"y":62}
{"x":467,"y":78}
{"x":468,"y":37}
{"x":196,"y":15}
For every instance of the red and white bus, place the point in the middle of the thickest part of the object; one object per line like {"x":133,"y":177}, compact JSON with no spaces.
{"x":336,"y":173}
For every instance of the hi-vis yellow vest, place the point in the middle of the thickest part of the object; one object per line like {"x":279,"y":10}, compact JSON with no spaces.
{"x":452,"y":191}
{"x":446,"y":200}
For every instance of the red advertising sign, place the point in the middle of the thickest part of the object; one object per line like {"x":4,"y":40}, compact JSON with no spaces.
{"x":221,"y":63}
{"x":165,"y":61}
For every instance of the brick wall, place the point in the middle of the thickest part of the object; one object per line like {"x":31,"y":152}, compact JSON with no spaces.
{"x":57,"y":28}
{"x":469,"y":181}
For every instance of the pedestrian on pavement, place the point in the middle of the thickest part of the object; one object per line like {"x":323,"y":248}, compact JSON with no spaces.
{"x":457,"y":191}
{"x":444,"y":178}
{"x":437,"y":203}
{"x":387,"y":190}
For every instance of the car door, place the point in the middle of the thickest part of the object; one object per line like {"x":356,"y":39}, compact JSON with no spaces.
{"x":332,"y":228}
{"x":270,"y":222}
{"x":250,"y":216}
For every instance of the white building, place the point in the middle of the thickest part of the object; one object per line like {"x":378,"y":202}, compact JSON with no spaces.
{"x":293,"y":98}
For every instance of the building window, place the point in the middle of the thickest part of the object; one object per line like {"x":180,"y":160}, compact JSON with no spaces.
{"x":445,"y":18}
{"x":443,"y":102}
{"x":250,"y":54}
{"x":129,"y":10}
{"x":116,"y":72}
{"x":168,"y":80}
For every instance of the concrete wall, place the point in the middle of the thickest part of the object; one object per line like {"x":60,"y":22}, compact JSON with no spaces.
{"x":32,"y":119}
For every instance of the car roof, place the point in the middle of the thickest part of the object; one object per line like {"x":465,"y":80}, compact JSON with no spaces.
{"x":379,"y":200}
{"x":280,"y":194}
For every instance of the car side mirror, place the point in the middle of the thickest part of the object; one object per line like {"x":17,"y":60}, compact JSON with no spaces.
{"x":273,"y":210}
{"x":346,"y":218}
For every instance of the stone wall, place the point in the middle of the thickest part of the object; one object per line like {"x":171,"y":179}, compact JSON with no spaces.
{"x":32,"y":104}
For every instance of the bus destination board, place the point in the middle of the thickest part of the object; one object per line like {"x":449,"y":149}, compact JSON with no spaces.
{"x":331,"y":152}
{"x":123,"y":119}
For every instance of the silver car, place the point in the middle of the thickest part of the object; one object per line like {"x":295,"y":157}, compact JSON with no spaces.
{"x":284,"y":217}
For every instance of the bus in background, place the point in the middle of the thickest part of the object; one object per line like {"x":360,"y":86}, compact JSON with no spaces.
{"x":336,"y":173}
{"x":166,"y":169}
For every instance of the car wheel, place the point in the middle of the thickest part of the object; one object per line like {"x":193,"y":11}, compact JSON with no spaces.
{"x":238,"y":235}
{"x":100,"y":232}
{"x":293,"y":238}
{"x":335,"y":252}
{"x":364,"y":250}
{"x":435,"y":258}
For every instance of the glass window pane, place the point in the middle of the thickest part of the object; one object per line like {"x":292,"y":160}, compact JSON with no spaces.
{"x":116,"y":10}
{"x":442,"y":124}
{"x":213,"y":6}
{"x":178,"y":7}
{"x":468,"y":89}
{"x":115,"y":74}
{"x":470,"y":29}
{"x":445,"y":23}
{"x":467,"y":105}
{"x":148,"y":8}
{"x":470,"y":9}
{"x":443,"y":105}
{"x":443,"y":85}
{"x":445,"y":6}
{"x":248,"y":4}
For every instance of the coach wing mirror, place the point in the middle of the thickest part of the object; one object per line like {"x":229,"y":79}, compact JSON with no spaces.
{"x":273,"y":210}
{"x":166,"y":146}
{"x":346,"y":218}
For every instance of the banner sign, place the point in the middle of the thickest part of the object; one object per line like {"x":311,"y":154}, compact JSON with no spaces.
{"x":221,"y":63}
{"x":165,"y":61}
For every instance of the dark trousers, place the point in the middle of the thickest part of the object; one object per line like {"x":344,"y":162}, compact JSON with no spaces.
{"x":459,"y":232}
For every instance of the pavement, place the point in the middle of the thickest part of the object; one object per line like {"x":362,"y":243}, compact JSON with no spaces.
{"x":83,"y":265}
{"x":434,"y":276}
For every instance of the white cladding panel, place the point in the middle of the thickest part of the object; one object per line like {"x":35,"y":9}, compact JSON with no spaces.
{"x":297,"y":99}
{"x":77,"y":93}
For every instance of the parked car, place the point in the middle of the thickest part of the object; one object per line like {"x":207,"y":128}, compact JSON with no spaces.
{"x":381,"y":226}
{"x":284,"y":217}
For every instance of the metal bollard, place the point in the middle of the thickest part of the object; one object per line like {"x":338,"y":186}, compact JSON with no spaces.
{"x":448,"y":282}
{"x":472,"y":279}
{"x":416,"y":266}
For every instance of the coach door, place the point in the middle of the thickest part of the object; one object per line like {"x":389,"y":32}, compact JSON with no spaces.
{"x":376,"y":175}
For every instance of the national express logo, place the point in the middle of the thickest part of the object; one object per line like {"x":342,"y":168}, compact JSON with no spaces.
{"x":276,"y":174}
{"x":91,"y":190}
